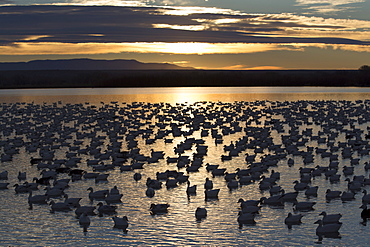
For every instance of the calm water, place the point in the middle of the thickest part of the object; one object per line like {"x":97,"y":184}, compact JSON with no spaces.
{"x":337,"y":117}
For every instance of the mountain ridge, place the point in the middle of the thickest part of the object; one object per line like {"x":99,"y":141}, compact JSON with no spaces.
{"x":88,"y":64}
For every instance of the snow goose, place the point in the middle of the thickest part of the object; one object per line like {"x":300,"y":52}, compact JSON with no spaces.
{"x":208,"y":185}
{"x":251,"y":209}
{"x":137,"y":176}
{"x":332,"y":194}
{"x":304,"y":206}
{"x":153,"y":183}
{"x":159,"y":208}
{"x":300,"y":186}
{"x":89,"y":175}
{"x":353,"y":185}
{"x":218,"y":172}
{"x":292,"y":219}
{"x":245,"y":219}
{"x":22,"y":176}
{"x":229,"y":176}
{"x":4,"y":175}
{"x":114,"y":191}
{"x":276,"y":190}
{"x":191,"y":190}
{"x":264,"y":185}
{"x":4,"y":186}
{"x":330,"y":218}
{"x":233,"y":184}
{"x":290,"y":196}
{"x":103,"y":177}
{"x":73,"y":202}
{"x":42,"y":181}
{"x":334,"y":178}
{"x":97,"y":195}
{"x":365,"y":213}
{"x":59,"y":206}
{"x":311,"y":191}
{"x":212,"y":194}
{"x":329,"y":228}
{"x":200,"y":213}
{"x":365,"y":197}
{"x":113,"y":198}
{"x":54,"y":192}
{"x":37,"y":199}
{"x":248,"y":202}
{"x":245,"y":180}
{"x":272,"y":200}
{"x":84,"y":221}
{"x":274,"y":174}
{"x":150,"y":192}
{"x":23,"y":188}
{"x":347,"y":196}
{"x":106,"y":209}
{"x":171,"y":183}
{"x":211,"y":167}
{"x":89,"y":210}
{"x":120,"y":222}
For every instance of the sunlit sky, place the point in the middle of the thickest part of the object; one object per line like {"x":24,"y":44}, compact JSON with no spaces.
{"x":212,"y":34}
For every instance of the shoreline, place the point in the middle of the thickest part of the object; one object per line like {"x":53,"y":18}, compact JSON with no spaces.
{"x":23,"y":79}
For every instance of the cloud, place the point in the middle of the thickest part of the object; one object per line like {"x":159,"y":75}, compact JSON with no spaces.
{"x":329,"y":6}
{"x":68,"y":29}
{"x":329,"y":2}
{"x":45,"y":48}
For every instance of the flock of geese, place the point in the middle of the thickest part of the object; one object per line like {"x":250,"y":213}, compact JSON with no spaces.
{"x":100,"y":139}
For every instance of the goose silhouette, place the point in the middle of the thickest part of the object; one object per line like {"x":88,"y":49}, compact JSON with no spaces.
{"x":304,"y":206}
{"x":84,"y":221}
{"x":312,"y":191}
{"x":212,"y":194}
{"x":245,"y":219}
{"x":106,"y":209}
{"x":113,"y":198}
{"x":4,"y":186}
{"x":37,"y":199}
{"x":366,"y":197}
{"x":191,"y":190}
{"x":59,"y":206}
{"x":114,"y":191}
{"x":208,"y":185}
{"x":89,"y":210}
{"x":74,"y":201}
{"x":150,"y":192}
{"x":347,"y":196}
{"x":200,"y":213}
{"x":98,"y":195}
{"x":328,"y":228}
{"x":248,"y":202}
{"x":120,"y":222}
{"x":292,"y":219}
{"x":159,"y":208}
{"x":365,"y":213}
{"x":330,"y":218}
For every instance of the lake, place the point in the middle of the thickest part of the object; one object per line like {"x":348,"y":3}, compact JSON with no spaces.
{"x":257,"y":130}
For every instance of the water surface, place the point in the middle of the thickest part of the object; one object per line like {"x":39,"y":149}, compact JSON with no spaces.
{"x":326,"y":111}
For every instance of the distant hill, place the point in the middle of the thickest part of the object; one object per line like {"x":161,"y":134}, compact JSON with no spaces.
{"x":88,"y":64}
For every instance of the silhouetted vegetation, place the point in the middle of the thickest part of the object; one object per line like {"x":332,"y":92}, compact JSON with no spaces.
{"x":365,"y":68}
{"x":181,"y":78}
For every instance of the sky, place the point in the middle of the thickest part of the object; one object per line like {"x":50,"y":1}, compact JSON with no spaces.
{"x":203,"y":34}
